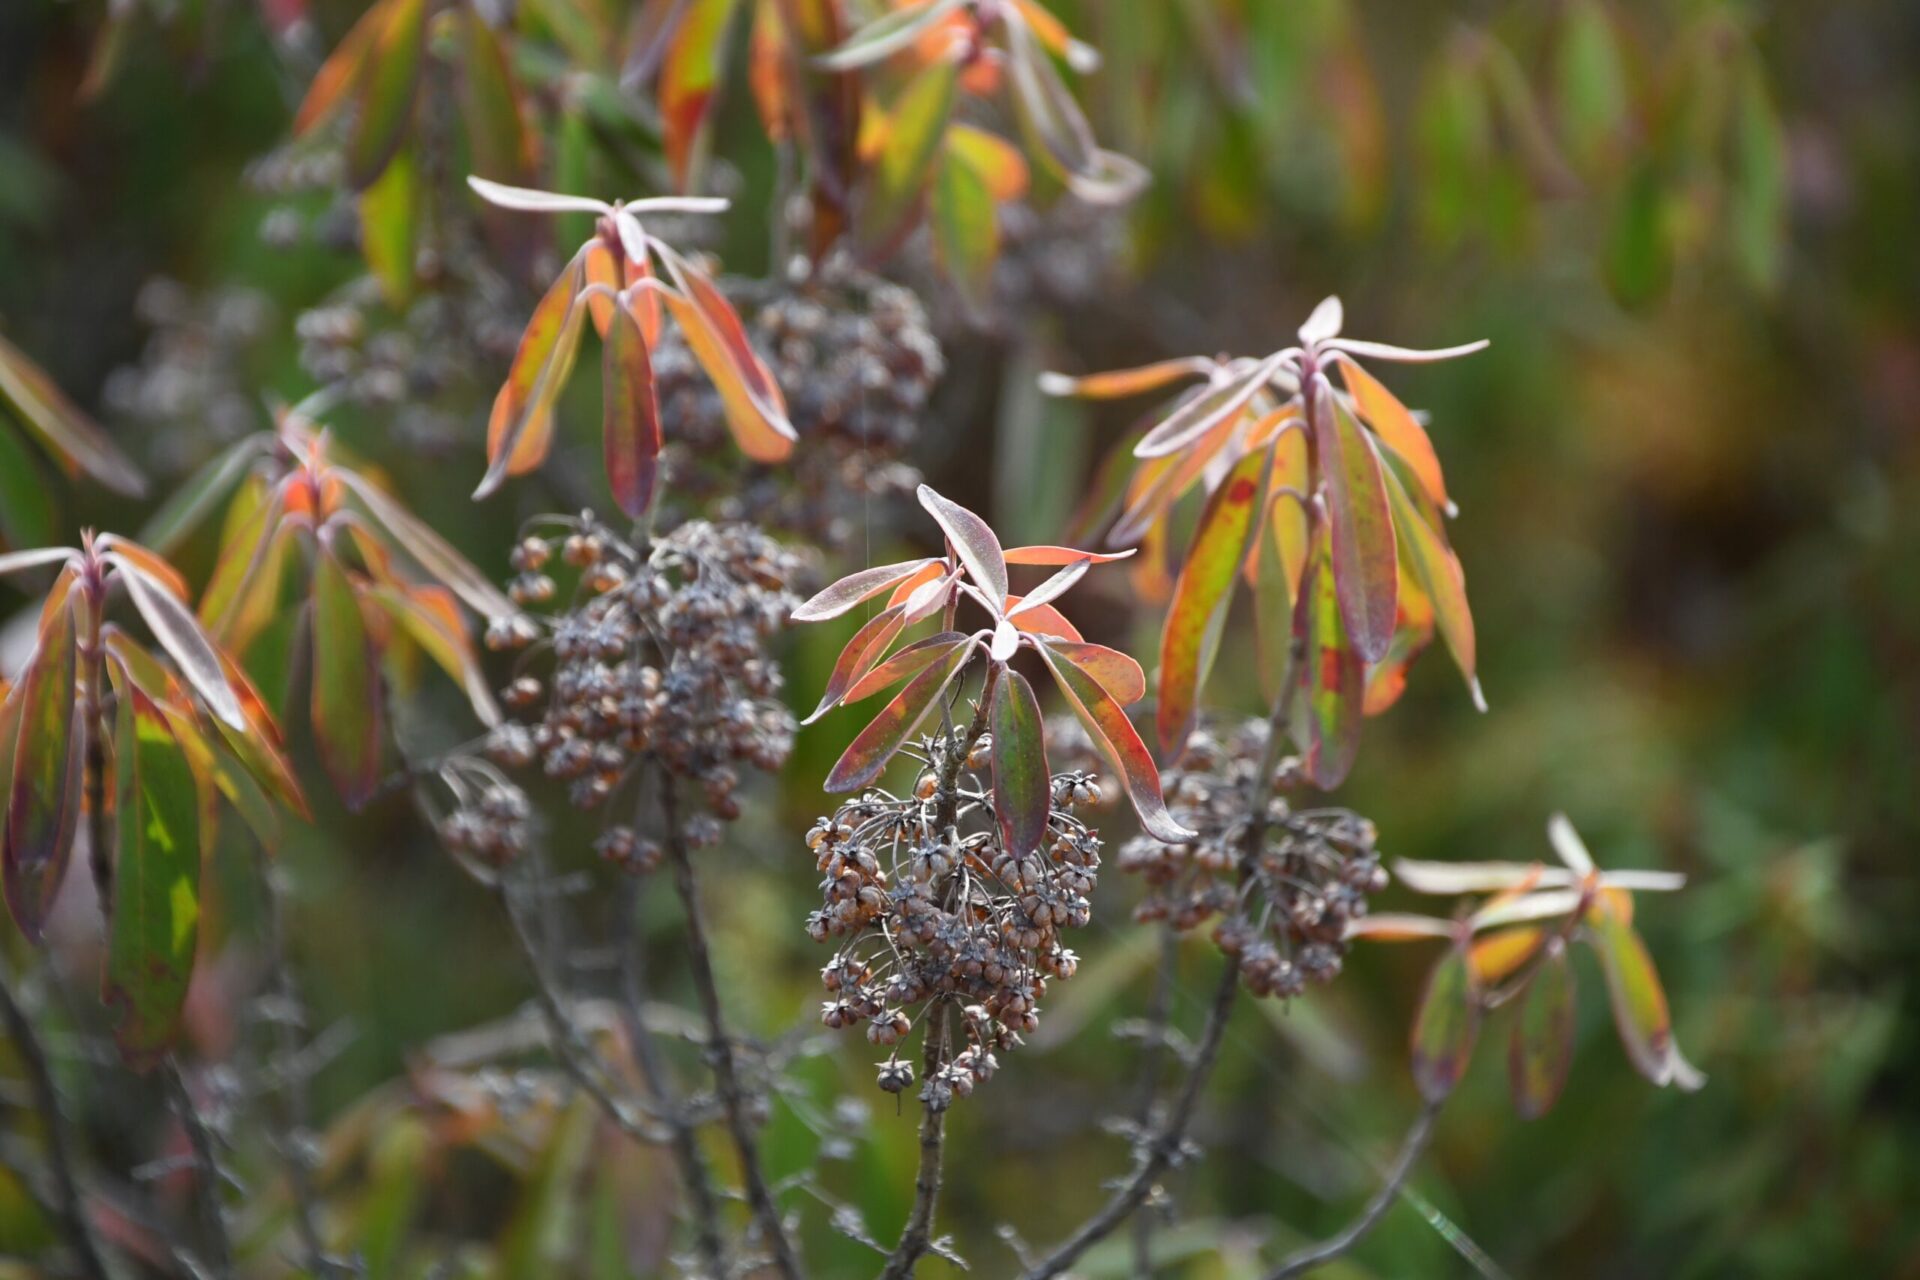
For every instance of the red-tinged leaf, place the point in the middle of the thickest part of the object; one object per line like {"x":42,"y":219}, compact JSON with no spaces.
{"x":1162,"y":481}
{"x":888,"y":35}
{"x":861,"y":654}
{"x":1191,"y":635}
{"x":688,"y":75}
{"x":1446,"y":1026}
{"x":1050,"y":555}
{"x":900,"y":173}
{"x":36,"y":558}
{"x":521,"y":426}
{"x":911,"y":660}
{"x":770,"y":71}
{"x":1212,"y":405}
{"x":501,"y":145}
{"x":1424,"y":553}
{"x":1022,"y":783}
{"x":1397,"y":427}
{"x":631,"y":435}
{"x":1042,"y":620}
{"x":1127,"y":382}
{"x":1152,"y":573}
{"x":1328,"y":707}
{"x":855,"y":587}
{"x":179,"y":633}
{"x":70,"y":435}
{"x":341,"y":69}
{"x":1498,"y":955}
{"x":384,"y":89}
{"x":427,"y":548}
{"x":262,"y":748}
{"x":1387,"y":678}
{"x":431,"y":619}
{"x":1365,"y":564}
{"x":1541,"y":1047}
{"x":1113,"y":670}
{"x":727,"y":329}
{"x":346,"y":683}
{"x":389,"y":211}
{"x":1274,"y":604}
{"x":1055,"y":586}
{"x":1633,"y":988}
{"x":876,"y":744}
{"x":1107,"y":724}
{"x":156,"y":883}
{"x":932,"y":571}
{"x":1056,"y":39}
{"x":973,"y":541}
{"x":196,"y":497}
{"x":759,"y":426}
{"x":602,"y":268}
{"x":966,"y":229}
{"x":998,"y":162}
{"x":43,"y":807}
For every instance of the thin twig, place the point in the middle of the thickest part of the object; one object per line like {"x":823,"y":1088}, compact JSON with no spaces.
{"x":1159,"y":1011}
{"x":1158,"y":1151}
{"x":1327,"y":1250}
{"x":72,"y":1210}
{"x":726,"y":1074}
{"x":916,"y":1237}
{"x":564,"y":1035}
{"x":206,"y":1171}
{"x":294,"y":1138}
{"x":686,"y":1147}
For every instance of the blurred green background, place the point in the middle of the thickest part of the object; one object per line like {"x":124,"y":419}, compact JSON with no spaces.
{"x":1689,"y":479}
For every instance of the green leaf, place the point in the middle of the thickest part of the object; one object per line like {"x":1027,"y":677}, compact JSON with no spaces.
{"x":497,"y":137}
{"x":194,"y":499}
{"x":1757,"y":181}
{"x":1332,"y":682}
{"x":631,"y":438}
{"x":1191,"y":635}
{"x":1590,"y":82}
{"x":384,"y":88}
{"x":70,"y":435}
{"x":1446,"y":1026}
{"x":1365,"y":564}
{"x":27,"y":514}
{"x":43,"y":809}
{"x":1633,"y":987}
{"x":346,"y":684}
{"x":1022,"y":784}
{"x":156,"y":883}
{"x":388,"y":212}
{"x":1639,"y":256}
{"x":899,"y":175}
{"x":1055,"y":128}
{"x":1397,"y":428}
{"x":1541,"y":1045}
{"x":966,"y":231}
{"x":1107,"y":724}
{"x":876,"y":744}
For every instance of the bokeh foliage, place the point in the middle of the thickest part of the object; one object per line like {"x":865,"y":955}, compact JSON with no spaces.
{"x":1689,"y":483}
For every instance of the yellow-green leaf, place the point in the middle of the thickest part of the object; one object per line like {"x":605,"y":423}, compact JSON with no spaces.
{"x":1365,"y":563}
{"x":1191,"y":634}
{"x":1446,"y":1026}
{"x":1541,"y":1046}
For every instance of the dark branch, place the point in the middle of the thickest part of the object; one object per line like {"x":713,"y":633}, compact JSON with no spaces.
{"x":726,"y":1074}
{"x":206,"y":1170}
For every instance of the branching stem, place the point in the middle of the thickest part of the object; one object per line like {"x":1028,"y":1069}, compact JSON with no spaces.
{"x":206,"y":1170}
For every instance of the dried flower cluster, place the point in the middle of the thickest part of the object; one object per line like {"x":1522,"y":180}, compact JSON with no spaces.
{"x":1282,"y":898}
{"x":930,"y":913}
{"x":490,"y":820}
{"x":857,"y":360}
{"x":660,"y":657}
